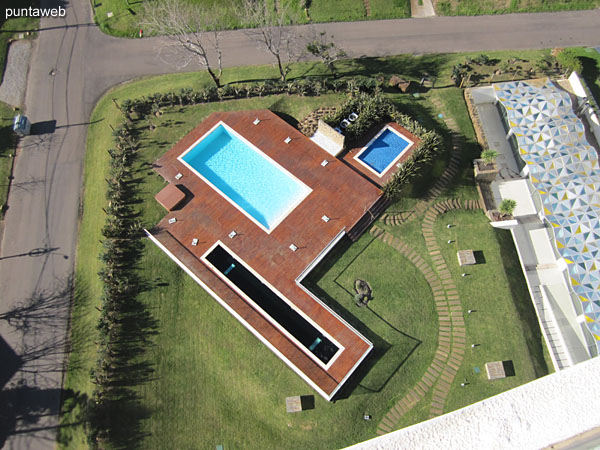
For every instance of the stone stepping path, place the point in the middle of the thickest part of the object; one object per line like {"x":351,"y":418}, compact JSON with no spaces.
{"x":444,"y":359}
{"x":367,"y":7}
{"x":454,"y":337}
{"x":448,"y":356}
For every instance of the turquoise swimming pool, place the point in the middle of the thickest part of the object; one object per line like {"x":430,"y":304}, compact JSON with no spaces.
{"x":255,"y":184}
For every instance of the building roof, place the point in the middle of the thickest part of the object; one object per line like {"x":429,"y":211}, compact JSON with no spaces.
{"x":337,"y":191}
{"x":535,"y":415}
{"x":563,"y":168}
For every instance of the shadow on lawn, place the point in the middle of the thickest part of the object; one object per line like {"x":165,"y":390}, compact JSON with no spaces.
{"x":591,"y":72}
{"x":356,"y":383}
{"x":406,"y":65}
{"x":522,"y":301}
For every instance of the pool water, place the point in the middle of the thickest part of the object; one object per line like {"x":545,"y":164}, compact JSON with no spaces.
{"x":384,"y":150}
{"x":245,"y":176}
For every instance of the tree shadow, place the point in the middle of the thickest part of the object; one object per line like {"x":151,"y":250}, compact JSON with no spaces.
{"x":25,"y":408}
{"x":591,"y":73}
{"x":522,"y":301}
{"x":406,"y":65}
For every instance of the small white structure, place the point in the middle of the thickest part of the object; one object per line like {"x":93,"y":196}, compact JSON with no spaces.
{"x":328,"y":139}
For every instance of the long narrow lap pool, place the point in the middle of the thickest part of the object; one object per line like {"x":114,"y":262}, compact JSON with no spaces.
{"x":272,"y":304}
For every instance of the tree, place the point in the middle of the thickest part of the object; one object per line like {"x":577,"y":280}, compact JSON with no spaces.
{"x":507,"y":206}
{"x":192,"y":31}
{"x":269,"y":22}
{"x":326,"y":50}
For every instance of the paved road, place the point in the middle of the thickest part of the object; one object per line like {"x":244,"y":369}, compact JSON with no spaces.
{"x":73,"y":65}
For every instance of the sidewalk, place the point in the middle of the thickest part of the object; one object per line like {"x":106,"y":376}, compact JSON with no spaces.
{"x":14,"y":82}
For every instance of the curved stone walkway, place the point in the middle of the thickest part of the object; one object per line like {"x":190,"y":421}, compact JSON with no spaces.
{"x":441,"y":183}
{"x":431,"y":375}
{"x":452,"y":334}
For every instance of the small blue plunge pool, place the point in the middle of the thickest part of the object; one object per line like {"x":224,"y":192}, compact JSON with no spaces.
{"x":255,"y":184}
{"x":383,"y":151}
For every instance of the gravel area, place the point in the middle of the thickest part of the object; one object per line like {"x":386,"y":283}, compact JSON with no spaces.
{"x":14,"y":82}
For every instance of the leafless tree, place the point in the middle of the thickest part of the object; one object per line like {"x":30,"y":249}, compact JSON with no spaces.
{"x":324,"y":48}
{"x":270,"y":28}
{"x":192,"y":31}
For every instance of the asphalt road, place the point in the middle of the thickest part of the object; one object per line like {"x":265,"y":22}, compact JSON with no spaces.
{"x":73,"y":64}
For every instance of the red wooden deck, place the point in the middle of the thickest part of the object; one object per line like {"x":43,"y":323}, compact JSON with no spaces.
{"x":337,"y":191}
{"x":348,"y":156}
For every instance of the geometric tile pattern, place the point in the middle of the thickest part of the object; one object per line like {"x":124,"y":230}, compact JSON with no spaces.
{"x":564,"y":169}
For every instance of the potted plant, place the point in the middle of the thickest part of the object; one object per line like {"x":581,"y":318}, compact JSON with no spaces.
{"x":506,"y":208}
{"x":485,"y":167}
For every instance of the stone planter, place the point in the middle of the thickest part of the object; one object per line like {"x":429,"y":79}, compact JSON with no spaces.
{"x":485,"y":172}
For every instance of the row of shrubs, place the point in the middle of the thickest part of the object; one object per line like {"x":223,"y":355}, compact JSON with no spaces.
{"x":373,"y":110}
{"x":365,"y":98}
{"x":142,"y":107}
{"x":117,"y":326}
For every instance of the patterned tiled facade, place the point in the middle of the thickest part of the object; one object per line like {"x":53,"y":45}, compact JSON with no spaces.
{"x":563,"y":168}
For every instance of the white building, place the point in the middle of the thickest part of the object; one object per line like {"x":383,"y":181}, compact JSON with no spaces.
{"x":547,"y":165}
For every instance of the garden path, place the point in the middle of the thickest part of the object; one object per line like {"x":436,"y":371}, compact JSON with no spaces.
{"x":448,"y":357}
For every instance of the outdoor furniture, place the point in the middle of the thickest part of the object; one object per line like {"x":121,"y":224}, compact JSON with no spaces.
{"x":345,"y":123}
{"x":466,"y":257}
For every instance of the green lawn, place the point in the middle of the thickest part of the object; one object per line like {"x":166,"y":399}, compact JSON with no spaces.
{"x":125,"y":20}
{"x":504,"y":324}
{"x":480,"y":7}
{"x":201,"y":395}
{"x":241,"y":408}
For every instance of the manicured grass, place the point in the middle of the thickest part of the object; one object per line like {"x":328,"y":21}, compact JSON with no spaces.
{"x":504,"y":324}
{"x":339,"y":11}
{"x":400,"y":319}
{"x":386,"y":9}
{"x":127,"y":14}
{"x":480,"y":7}
{"x":126,"y":17}
{"x":213,"y":382}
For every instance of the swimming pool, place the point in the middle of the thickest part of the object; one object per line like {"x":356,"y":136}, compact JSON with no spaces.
{"x":247,"y":178}
{"x":383,"y":151}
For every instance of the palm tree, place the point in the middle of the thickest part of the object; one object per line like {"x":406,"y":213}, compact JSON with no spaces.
{"x":507,"y":207}
{"x":489,"y":156}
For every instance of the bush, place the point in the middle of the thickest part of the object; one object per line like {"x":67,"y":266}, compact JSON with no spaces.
{"x":507,"y":206}
{"x":374,"y":110}
{"x":489,"y":156}
{"x":569,"y":61}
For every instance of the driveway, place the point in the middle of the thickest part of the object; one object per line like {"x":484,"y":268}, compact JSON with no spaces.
{"x":73,"y":64}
